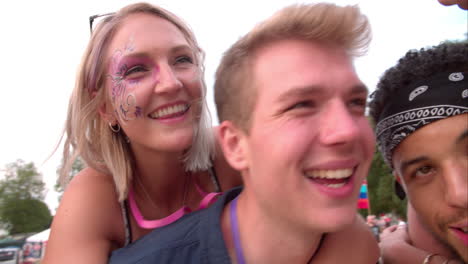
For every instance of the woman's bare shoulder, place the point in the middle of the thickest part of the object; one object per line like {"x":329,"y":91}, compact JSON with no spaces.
{"x":89,"y":188}
{"x":88,"y":220}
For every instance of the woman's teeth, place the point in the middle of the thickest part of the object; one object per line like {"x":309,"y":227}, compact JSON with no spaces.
{"x":170,"y":111}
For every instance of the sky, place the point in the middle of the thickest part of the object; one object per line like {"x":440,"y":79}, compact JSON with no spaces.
{"x":43,"y":41}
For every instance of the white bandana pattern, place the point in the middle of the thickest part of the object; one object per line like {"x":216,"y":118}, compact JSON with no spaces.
{"x":393,"y":129}
{"x":409,"y":121}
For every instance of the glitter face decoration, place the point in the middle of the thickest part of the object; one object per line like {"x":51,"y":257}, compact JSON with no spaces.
{"x":122,"y":87}
{"x":131,"y":69}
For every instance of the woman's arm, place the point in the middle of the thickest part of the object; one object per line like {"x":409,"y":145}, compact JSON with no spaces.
{"x":87,"y":223}
{"x":355,"y":244}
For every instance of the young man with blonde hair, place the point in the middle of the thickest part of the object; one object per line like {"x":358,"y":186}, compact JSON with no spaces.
{"x":292,"y":118}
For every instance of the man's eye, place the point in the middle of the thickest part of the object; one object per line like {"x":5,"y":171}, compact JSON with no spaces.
{"x":360,"y":102}
{"x":358,"y":105}
{"x":424,"y":171}
{"x":302,"y":104}
{"x":135,"y":69}
{"x":184,"y":59}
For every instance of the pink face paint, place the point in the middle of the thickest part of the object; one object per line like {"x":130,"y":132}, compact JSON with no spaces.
{"x":126,"y":73}
{"x":128,"y":109}
{"x":121,"y":99}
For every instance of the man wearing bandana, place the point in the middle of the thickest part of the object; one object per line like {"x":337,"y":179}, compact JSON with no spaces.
{"x":421,"y":112}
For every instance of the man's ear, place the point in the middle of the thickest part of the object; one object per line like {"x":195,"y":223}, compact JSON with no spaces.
{"x":398,"y":186}
{"x":232,"y":141}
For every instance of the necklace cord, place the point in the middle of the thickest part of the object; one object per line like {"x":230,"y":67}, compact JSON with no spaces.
{"x":151,"y":224}
{"x":148,"y":197}
{"x":235,"y":233}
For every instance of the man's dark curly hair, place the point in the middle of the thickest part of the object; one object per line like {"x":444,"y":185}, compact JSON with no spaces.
{"x":418,"y":65}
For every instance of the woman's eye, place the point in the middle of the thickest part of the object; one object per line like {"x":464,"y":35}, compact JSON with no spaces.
{"x":135,"y":69}
{"x":424,"y":171}
{"x":184,"y":59}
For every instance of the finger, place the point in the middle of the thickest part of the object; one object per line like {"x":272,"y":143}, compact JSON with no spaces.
{"x":448,"y":2}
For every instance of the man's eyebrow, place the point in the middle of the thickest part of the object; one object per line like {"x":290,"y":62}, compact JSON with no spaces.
{"x":359,"y":89}
{"x":408,"y":163}
{"x":462,"y":137}
{"x":298,"y":92}
{"x":302,"y":91}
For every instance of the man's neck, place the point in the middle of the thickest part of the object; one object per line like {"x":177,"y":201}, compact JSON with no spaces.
{"x":264,"y":240}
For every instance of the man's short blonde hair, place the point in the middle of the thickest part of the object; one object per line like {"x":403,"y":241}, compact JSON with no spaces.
{"x":324,"y":23}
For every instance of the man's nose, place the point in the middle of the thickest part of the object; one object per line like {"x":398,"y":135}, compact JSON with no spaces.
{"x":339,"y":125}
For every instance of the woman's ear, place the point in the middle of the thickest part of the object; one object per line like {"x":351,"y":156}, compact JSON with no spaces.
{"x":105,"y":110}
{"x":233,"y":144}
{"x":107,"y":113}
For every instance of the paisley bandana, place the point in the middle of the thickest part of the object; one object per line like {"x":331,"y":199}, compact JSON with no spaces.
{"x":420,"y":103}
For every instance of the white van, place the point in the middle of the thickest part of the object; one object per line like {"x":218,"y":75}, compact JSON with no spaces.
{"x":34,"y":247}
{"x":10,"y":255}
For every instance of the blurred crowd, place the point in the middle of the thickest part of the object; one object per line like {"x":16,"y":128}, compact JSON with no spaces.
{"x":378,"y":223}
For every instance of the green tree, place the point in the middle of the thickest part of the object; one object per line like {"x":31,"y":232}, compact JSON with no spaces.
{"x":380,"y":184}
{"x":25,"y":215}
{"x":22,"y":181}
{"x":21,"y":193}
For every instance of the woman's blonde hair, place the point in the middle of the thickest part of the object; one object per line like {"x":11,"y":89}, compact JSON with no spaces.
{"x":88,"y":135}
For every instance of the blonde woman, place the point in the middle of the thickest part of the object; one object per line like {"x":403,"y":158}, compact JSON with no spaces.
{"x":139,"y":120}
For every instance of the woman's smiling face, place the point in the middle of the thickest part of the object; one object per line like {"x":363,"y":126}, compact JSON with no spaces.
{"x":154,"y":83}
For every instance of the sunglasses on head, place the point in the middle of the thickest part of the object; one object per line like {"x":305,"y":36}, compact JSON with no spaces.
{"x":96,"y":17}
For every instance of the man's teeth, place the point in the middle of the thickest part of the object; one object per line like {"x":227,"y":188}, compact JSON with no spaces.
{"x":174,"y":109}
{"x":336,"y":185}
{"x":330,"y":174}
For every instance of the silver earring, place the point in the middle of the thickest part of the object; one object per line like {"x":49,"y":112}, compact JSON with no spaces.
{"x":115,"y":128}
{"x":127,"y":139}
